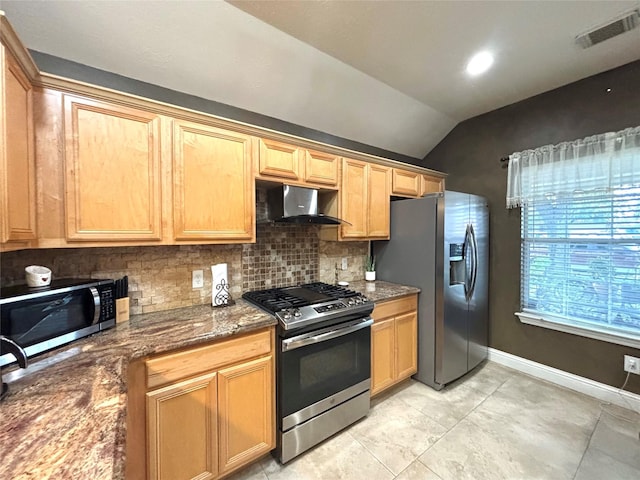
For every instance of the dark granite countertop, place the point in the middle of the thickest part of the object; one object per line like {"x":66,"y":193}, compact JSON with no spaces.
{"x":379,"y":290}
{"x":65,"y":415}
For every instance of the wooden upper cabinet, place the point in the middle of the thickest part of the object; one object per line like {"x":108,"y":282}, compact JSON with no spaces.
{"x":321,"y":168}
{"x":379,"y":202}
{"x":353,"y":198}
{"x":279,"y":160}
{"x":364,"y":200}
{"x":431,"y":184}
{"x":17,"y":164}
{"x":112,"y":172}
{"x":282,"y":162}
{"x":406,"y":183}
{"x":213,"y":187}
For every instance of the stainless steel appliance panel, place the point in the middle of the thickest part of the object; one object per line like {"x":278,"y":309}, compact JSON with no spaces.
{"x":312,"y":432}
{"x":439,"y":243}
{"x":451,"y":328}
{"x":412,"y":258}
{"x":479,"y":301}
{"x":39,"y":319}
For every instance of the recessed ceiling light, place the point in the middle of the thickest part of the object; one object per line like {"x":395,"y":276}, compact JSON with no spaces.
{"x":479,"y":63}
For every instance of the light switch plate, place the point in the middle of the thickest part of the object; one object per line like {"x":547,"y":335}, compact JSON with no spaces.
{"x":197,"y":279}
{"x":345,"y":263}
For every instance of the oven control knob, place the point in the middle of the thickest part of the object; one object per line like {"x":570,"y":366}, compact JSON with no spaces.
{"x":297,"y":313}
{"x":287,"y":315}
{"x":351,"y":301}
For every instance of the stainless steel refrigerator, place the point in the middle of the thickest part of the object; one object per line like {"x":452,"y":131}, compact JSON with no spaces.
{"x":440,"y":243}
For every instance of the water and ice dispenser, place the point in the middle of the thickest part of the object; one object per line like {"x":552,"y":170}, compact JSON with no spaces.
{"x":457,"y":265}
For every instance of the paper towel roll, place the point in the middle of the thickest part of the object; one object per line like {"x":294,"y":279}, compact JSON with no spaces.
{"x":220,"y":285}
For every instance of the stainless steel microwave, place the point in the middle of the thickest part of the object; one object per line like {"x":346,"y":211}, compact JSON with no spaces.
{"x":39,"y":319}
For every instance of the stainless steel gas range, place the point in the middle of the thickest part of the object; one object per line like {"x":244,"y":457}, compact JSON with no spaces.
{"x":323,"y":367}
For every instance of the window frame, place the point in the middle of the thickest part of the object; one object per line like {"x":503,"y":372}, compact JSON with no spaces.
{"x":568,"y":324}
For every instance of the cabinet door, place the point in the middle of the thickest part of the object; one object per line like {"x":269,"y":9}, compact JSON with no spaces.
{"x":181,"y":430}
{"x":321,"y":168}
{"x":406,"y":183}
{"x":246,"y":410}
{"x":17,"y":165}
{"x":431,"y":184}
{"x":112,"y":172}
{"x":213,"y":193}
{"x":382,"y":355}
{"x":406,"y":344}
{"x":379,"y":202}
{"x":354,"y":199}
{"x":279,"y":160}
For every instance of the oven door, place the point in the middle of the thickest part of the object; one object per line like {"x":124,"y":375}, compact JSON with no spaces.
{"x":320,"y":369}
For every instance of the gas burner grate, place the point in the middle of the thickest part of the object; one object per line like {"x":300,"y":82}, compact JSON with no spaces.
{"x":274,"y":299}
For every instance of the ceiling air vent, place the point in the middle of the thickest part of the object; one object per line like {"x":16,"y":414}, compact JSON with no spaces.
{"x":626,"y":22}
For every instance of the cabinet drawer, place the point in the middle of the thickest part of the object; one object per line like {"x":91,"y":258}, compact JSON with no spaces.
{"x":180,"y":365}
{"x":392,"y":308}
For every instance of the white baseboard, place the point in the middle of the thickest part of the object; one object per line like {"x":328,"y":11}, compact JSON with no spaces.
{"x":584,"y":385}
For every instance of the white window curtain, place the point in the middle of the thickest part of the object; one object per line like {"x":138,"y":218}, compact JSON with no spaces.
{"x":598,"y":163}
{"x":580,"y":233}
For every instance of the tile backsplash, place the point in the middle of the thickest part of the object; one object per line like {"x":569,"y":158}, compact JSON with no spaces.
{"x":160,"y":276}
{"x":282,"y":255}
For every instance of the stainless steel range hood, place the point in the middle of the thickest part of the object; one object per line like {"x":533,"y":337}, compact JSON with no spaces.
{"x":289,"y":204}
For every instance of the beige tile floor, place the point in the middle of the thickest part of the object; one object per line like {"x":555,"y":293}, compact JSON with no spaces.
{"x":495,"y":423}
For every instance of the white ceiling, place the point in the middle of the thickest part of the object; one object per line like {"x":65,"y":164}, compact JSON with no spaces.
{"x":385,"y":73}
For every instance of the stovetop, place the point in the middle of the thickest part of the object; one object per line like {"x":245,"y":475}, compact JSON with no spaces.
{"x":309,"y":304}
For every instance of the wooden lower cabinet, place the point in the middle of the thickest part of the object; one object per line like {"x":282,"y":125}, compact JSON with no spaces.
{"x":382,"y":355}
{"x":406,"y":330}
{"x":394,"y":342}
{"x":182,"y":430}
{"x":245,"y":407}
{"x":218,"y":419}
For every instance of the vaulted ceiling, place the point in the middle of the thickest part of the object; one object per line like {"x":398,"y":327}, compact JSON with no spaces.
{"x":385,"y":73}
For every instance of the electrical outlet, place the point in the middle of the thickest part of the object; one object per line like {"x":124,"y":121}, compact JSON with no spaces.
{"x":632,"y":364}
{"x":197,"y":279}
{"x":345,"y":264}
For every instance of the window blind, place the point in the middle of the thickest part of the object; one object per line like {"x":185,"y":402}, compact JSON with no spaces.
{"x":581,"y":259}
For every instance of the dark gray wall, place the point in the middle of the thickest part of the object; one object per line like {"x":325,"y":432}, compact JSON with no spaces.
{"x":471,"y":154}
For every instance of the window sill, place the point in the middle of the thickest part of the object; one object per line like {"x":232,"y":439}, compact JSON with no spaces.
{"x":553,"y":323}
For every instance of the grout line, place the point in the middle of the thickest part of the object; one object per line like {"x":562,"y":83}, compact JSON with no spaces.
{"x":588,"y":443}
{"x":370,"y":452}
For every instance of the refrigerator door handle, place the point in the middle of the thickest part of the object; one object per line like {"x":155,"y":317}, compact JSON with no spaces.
{"x":467,"y":267}
{"x":474,"y":271}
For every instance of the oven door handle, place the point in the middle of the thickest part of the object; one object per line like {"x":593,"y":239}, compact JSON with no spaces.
{"x":304,"y":340}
